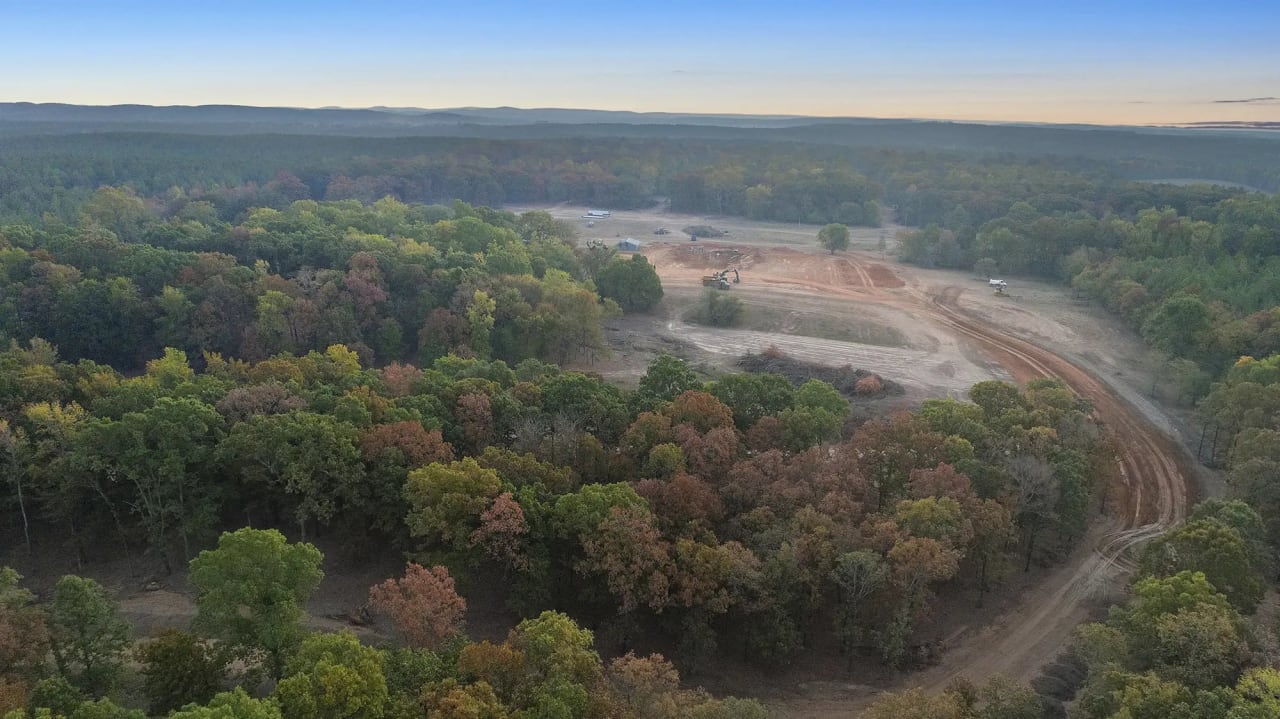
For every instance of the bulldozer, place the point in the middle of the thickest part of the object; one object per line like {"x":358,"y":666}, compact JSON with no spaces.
{"x":716,"y":280}
{"x":720,"y":280}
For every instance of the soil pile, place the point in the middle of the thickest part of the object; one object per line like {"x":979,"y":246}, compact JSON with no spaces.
{"x":852,"y":383}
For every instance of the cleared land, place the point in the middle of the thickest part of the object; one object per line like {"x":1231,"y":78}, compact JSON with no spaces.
{"x":957,"y":334}
{"x":935,"y":332}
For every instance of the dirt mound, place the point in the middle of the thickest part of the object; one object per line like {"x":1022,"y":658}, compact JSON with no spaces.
{"x":852,"y":383}
{"x":882,"y":276}
{"x":715,"y":256}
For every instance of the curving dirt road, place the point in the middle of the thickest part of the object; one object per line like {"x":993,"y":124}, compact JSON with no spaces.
{"x":1152,"y":496}
{"x":1155,"y":496}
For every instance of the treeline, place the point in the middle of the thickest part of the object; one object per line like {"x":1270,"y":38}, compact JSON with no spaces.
{"x":392,"y":281}
{"x":1242,"y":425}
{"x":784,"y":181}
{"x":743,"y":514}
{"x":73,"y":657}
{"x":1188,"y":642}
{"x":57,"y":175}
{"x":1200,"y":278}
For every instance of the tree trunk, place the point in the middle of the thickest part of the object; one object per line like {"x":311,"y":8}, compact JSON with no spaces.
{"x":22,"y":509}
{"x":115,"y":517}
{"x":982,"y":580}
{"x":75,"y":537}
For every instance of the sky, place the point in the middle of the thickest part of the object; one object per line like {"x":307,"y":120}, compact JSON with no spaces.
{"x":1116,"y":62}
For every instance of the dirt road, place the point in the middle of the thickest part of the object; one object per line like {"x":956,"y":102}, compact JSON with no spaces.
{"x":1152,"y":495}
{"x":1155,"y":496}
{"x":954,"y":337}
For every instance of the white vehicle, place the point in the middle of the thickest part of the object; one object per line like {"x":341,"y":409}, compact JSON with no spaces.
{"x":597,"y":213}
{"x":1000,"y":284}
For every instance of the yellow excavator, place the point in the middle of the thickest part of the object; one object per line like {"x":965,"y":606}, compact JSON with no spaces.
{"x":720,"y":280}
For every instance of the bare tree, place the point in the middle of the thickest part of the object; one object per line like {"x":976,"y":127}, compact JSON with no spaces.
{"x":1038,"y":493}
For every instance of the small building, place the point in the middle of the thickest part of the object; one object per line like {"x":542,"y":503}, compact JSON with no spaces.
{"x":628,"y":244}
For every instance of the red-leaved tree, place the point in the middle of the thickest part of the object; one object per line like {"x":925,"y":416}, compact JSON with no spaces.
{"x":424,"y":605}
{"x":418,"y":445}
{"x":501,"y":532}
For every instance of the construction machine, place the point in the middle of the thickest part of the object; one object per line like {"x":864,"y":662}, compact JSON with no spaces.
{"x":716,"y":280}
{"x":720,"y":279}
{"x":999,"y":286}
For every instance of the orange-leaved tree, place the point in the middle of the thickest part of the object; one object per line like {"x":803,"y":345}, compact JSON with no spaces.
{"x":424,"y":605}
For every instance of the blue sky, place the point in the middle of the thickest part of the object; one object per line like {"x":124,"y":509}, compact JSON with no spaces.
{"x":1065,"y":61}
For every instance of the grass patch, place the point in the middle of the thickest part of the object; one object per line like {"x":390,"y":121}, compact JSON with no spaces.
{"x":846,"y":328}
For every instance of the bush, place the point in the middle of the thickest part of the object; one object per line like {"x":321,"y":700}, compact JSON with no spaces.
{"x":869,"y":385}
{"x":702,"y":231}
{"x":1053,"y":687}
{"x":722,"y":310}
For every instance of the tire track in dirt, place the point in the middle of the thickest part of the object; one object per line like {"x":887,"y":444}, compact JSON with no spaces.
{"x":1152,"y":496}
{"x":1156,"y":497}
{"x":919,"y":368}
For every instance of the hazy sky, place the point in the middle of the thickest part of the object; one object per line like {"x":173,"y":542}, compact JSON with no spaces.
{"x":1064,"y":61}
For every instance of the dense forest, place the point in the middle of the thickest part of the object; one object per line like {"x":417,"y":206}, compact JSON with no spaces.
{"x":392,"y":281}
{"x":784,"y":179}
{"x":383,"y":373}
{"x":1188,"y":642}
{"x":334,"y":337}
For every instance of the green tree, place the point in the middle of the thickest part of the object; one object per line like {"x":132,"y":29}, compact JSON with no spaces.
{"x":177,"y":669}
{"x":916,"y":704}
{"x":235,"y":704}
{"x":57,"y":695}
{"x":985,"y":268}
{"x":105,"y":709}
{"x":806,"y":427}
{"x":163,"y":452}
{"x":87,"y":635}
{"x":118,"y":209}
{"x":446,"y":500}
{"x":309,"y":458}
{"x":556,"y":649}
{"x":667,"y":377}
{"x":834,"y":237}
{"x":333,"y":676}
{"x":1179,"y":326}
{"x":252,"y":593}
{"x":752,"y":396}
{"x":632,"y":283}
{"x":857,"y":575}
{"x":1215,"y":549}
{"x":1001,"y":698}
{"x":1201,"y":647}
{"x":480,"y":318}
{"x":816,"y":394}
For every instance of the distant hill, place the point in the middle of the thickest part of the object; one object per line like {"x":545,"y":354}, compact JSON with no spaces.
{"x":1245,"y":155}
{"x":299,"y":118}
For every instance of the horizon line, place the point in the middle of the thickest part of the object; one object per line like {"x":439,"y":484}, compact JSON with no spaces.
{"x":389,"y":109}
